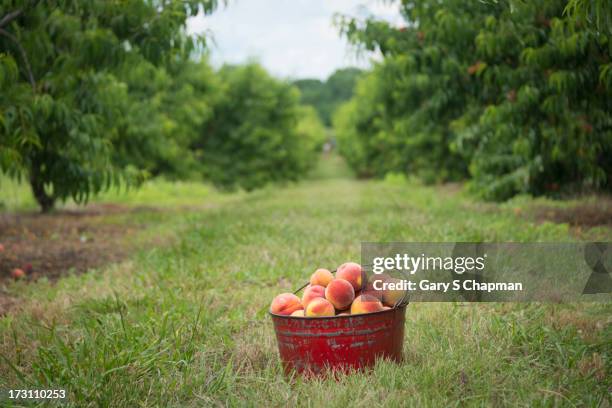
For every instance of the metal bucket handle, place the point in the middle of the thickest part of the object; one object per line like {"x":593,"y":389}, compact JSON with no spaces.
{"x":403,"y":301}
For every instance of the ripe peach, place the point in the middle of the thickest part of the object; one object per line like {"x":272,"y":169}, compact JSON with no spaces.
{"x":320,"y":307}
{"x":298,"y":313}
{"x":18,"y":273}
{"x":351,"y":272}
{"x":285,"y":304}
{"x":340,"y":293}
{"x":366,"y":304}
{"x":321,"y":277}
{"x":312,"y":292}
{"x":343,"y":314}
{"x":369,"y":289}
{"x":392,"y":296}
{"x":386,"y":308}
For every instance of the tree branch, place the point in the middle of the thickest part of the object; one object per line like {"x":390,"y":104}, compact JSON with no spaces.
{"x":24,"y":56}
{"x":10,"y":17}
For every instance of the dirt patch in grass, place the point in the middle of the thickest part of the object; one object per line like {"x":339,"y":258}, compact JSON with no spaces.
{"x":592,"y":214}
{"x":70,"y":241}
{"x":7,"y":302}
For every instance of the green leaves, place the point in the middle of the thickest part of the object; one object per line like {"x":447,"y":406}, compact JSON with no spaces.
{"x":326,"y":96}
{"x":514,"y":96}
{"x":597,"y":13}
{"x":76,"y":131}
{"x":257,"y":132}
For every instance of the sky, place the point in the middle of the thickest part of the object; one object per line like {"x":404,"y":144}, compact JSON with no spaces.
{"x":291,"y":38}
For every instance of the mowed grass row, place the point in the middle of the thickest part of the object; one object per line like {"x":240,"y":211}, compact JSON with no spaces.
{"x":187,"y":324}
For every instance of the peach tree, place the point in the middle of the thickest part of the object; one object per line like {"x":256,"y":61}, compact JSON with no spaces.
{"x":69,"y":109}
{"x":258,"y":132}
{"x":515,"y":96}
{"x":544,"y":120}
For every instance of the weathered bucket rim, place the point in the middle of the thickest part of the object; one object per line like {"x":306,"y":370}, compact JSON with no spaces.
{"x":398,"y":307}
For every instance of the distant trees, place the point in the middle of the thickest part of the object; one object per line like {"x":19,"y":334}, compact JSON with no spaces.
{"x":258,"y":133}
{"x":517,"y":98}
{"x":167,"y":111}
{"x":327,"y":95}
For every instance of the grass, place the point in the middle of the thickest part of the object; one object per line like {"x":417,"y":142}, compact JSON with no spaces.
{"x":186,"y":325}
{"x":17,"y":196}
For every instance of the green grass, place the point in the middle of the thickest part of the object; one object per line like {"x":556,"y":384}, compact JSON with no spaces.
{"x":186,"y":325}
{"x":331,"y":166}
{"x":161,"y":193}
{"x":15,"y":195}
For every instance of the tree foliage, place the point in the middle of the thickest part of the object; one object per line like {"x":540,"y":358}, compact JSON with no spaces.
{"x":104,"y":93}
{"x":66,"y":75}
{"x":327,"y":95}
{"x":517,"y":96}
{"x":258,"y":132}
{"x":167,"y":109}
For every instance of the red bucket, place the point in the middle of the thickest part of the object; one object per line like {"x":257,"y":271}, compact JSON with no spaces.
{"x":353,"y":342}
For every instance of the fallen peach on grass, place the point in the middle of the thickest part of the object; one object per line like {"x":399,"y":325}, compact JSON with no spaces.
{"x":18,"y":273}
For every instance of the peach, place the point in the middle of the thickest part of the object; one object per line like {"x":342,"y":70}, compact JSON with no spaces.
{"x":386,"y":308}
{"x":285,"y":304}
{"x":343,"y":314}
{"x":366,"y":304}
{"x":392,"y":296}
{"x":18,"y":273}
{"x":312,"y":292}
{"x":340,"y":293}
{"x":298,"y":313}
{"x":321,"y":277}
{"x":351,"y":272}
{"x":320,"y":307}
{"x":369,"y":289}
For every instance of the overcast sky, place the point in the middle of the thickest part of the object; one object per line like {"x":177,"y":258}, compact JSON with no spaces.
{"x":291,"y":38}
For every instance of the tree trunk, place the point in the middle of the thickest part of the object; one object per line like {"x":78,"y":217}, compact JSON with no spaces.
{"x":45,"y":201}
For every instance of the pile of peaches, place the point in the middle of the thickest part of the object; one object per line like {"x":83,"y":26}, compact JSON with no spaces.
{"x":345,"y":294}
